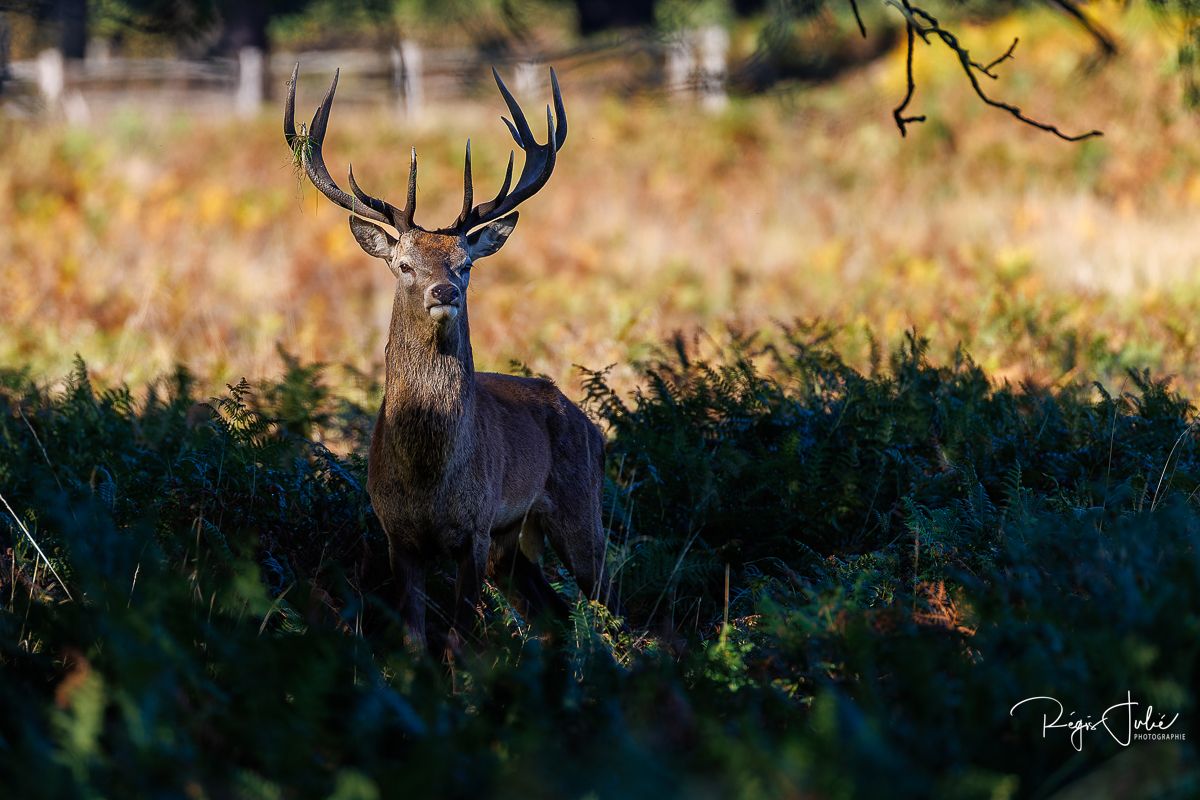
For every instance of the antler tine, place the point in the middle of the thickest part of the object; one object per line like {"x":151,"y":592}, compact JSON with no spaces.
{"x":512,"y":129}
{"x":308,"y":150}
{"x":320,"y":120}
{"x":382,"y":206}
{"x":468,"y":188}
{"x":539,"y":158}
{"x":410,"y":205}
{"x":550,"y":157}
{"x":289,"y":109}
{"x":560,"y":111}
{"x":521,"y":133}
{"x":500,"y":195}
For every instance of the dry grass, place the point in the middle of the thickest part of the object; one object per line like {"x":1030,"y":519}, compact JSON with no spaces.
{"x":154,"y":238}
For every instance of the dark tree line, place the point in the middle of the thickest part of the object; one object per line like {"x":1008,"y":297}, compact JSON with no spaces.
{"x":244,"y":23}
{"x":235,"y":23}
{"x":225,"y":26}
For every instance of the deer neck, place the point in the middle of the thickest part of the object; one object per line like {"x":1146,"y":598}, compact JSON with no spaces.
{"x":429,"y":392}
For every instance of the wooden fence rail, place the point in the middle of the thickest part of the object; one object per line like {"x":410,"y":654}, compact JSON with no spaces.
{"x":691,"y":65}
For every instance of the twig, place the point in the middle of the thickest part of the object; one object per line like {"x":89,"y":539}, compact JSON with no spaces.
{"x":1155,"y":499}
{"x":275,"y":604}
{"x":41,"y":446}
{"x":902,"y":121}
{"x":37,"y":547}
{"x":1007,"y":55}
{"x":725,"y":617}
{"x":858,"y":18}
{"x":1103,"y":38}
{"x":666,"y":585}
{"x":920,"y":22}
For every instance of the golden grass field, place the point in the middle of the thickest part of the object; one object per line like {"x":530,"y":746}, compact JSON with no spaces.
{"x":157,"y":236}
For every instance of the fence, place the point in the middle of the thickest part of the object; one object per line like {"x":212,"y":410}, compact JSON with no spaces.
{"x":4,"y":53}
{"x":691,"y":66}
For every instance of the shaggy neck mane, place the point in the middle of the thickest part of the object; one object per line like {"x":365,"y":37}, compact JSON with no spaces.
{"x":429,"y":391}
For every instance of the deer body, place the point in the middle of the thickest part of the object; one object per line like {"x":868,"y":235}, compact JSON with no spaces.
{"x":474,"y":466}
{"x":462,"y":463}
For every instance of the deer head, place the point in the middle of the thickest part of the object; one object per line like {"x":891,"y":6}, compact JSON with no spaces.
{"x":432,"y":267}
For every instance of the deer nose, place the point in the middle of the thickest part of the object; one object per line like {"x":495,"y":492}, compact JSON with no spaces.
{"x":441,"y":301}
{"x":442,"y":294}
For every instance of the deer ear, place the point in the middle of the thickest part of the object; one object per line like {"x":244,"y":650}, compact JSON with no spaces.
{"x":374,"y":240}
{"x":491,"y":237}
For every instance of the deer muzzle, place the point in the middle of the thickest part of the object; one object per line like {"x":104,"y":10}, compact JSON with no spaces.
{"x":443,"y":302}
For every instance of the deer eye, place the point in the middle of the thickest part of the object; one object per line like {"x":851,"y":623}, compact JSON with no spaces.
{"x":405,"y":268}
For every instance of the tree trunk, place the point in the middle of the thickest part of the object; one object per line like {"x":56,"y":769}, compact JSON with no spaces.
{"x":245,"y":25}
{"x":4,"y":53}
{"x":601,"y":15}
{"x":72,"y":21}
{"x":244,"y":37}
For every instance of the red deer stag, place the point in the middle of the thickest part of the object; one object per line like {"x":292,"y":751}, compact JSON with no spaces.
{"x":463,"y":463}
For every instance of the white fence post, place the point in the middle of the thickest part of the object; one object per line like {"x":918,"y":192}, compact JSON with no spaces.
{"x":99,"y":50}
{"x":51,"y":76}
{"x":251,"y":76}
{"x":528,"y":78}
{"x":409,"y":79}
{"x":398,"y":78}
{"x":713,"y":74}
{"x":681,"y":64}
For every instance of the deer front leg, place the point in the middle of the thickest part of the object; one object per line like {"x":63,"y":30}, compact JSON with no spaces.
{"x":469,"y":586}
{"x":410,"y":596}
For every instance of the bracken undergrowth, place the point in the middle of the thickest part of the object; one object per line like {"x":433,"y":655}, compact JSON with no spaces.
{"x":837,"y":584}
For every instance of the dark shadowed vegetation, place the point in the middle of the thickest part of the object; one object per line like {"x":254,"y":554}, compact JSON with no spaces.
{"x":838,"y":583}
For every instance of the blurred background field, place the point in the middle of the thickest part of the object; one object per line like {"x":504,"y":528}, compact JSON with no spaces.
{"x":150,"y":234}
{"x":843,"y":550}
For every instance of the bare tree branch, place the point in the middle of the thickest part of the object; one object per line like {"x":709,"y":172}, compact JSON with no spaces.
{"x":902,"y":121}
{"x":1007,"y":55}
{"x":858,"y":18}
{"x":1108,"y":45}
{"x":920,"y":22}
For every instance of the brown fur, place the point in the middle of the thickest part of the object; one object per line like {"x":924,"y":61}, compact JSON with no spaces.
{"x":471,"y":465}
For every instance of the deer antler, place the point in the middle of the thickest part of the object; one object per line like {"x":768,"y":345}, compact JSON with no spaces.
{"x":308,"y":148}
{"x":539,"y":161}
